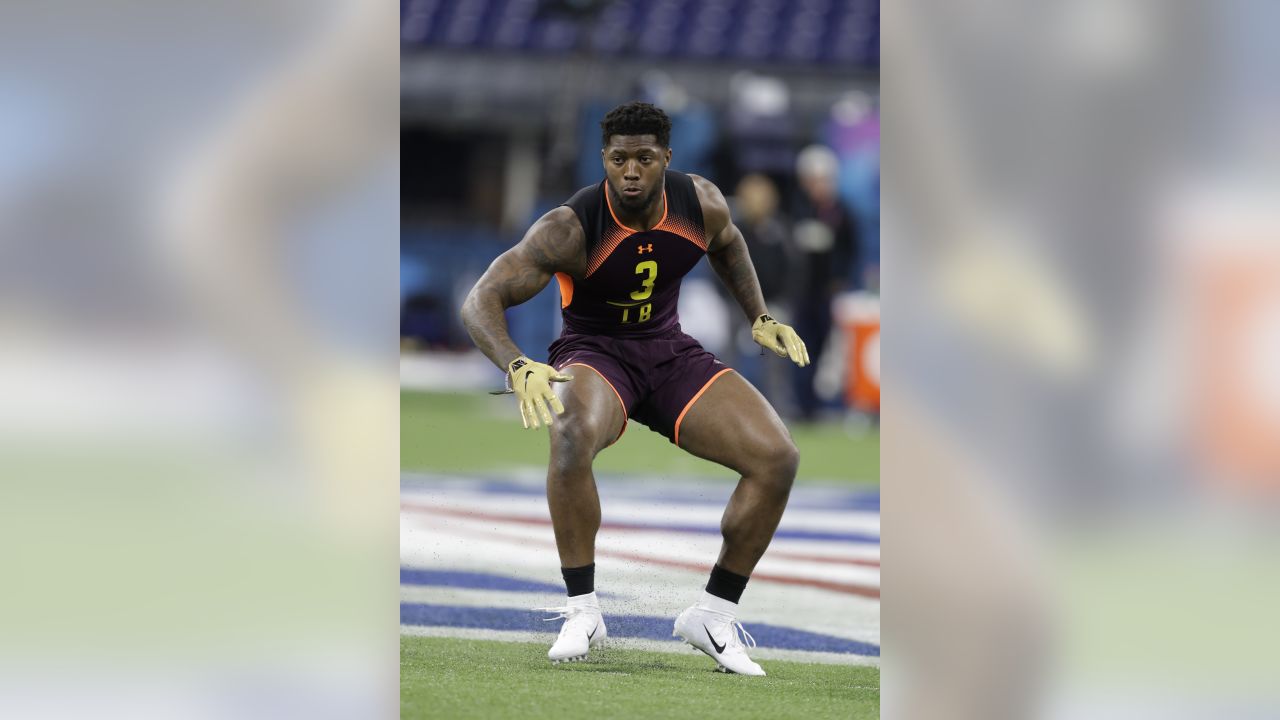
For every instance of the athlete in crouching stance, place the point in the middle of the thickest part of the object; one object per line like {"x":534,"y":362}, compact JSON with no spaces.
{"x":619,"y":250}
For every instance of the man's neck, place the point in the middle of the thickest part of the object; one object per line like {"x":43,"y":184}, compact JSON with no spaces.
{"x":645,"y":218}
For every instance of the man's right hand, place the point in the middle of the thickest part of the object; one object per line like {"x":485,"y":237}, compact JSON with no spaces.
{"x":531,"y":382}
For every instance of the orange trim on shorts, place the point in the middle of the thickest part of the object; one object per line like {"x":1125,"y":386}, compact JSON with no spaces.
{"x":693,"y":400}
{"x":611,"y":387}
{"x":566,"y":289}
{"x":665,"y":208}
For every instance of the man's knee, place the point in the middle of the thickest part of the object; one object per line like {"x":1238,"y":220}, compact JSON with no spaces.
{"x":777,"y":463}
{"x":575,"y":441}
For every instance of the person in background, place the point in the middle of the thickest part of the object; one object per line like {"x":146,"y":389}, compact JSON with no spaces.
{"x":825,"y":244}
{"x":768,"y":237}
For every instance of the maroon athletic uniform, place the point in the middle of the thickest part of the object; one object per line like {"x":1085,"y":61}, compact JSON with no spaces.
{"x":621,"y":320}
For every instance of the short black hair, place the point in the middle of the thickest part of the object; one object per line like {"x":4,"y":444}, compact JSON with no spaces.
{"x":636,"y":118}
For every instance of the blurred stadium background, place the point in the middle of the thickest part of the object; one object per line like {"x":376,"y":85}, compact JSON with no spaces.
{"x":777,"y":103}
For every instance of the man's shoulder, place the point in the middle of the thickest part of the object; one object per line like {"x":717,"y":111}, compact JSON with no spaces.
{"x":557,"y":241}
{"x":561,"y":218}
{"x":708,"y":193}
{"x":715,"y":209}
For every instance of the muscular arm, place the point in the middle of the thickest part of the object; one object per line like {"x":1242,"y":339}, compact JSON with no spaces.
{"x":554,"y":244}
{"x":727,"y":251}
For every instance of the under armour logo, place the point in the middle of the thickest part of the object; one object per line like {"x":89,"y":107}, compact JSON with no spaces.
{"x":642,"y":249}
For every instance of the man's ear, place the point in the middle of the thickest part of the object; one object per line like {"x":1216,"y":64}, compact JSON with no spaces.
{"x":668,"y":157}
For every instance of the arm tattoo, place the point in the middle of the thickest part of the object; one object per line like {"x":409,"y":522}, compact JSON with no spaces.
{"x":554,"y":244}
{"x":732,"y":263}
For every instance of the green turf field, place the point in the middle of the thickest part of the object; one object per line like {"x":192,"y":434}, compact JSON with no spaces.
{"x":454,"y":678}
{"x":475,"y":432}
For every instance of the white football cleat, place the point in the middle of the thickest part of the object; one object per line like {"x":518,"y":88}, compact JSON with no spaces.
{"x":716,"y":633}
{"x":583,"y":629}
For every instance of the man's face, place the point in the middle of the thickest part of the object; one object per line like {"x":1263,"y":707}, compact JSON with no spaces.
{"x":820,"y":188}
{"x":634,"y":165}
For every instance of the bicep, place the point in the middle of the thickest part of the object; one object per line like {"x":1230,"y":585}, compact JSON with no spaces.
{"x":523,"y":271}
{"x":514,"y":278}
{"x":717,"y":221}
{"x":729,"y":238}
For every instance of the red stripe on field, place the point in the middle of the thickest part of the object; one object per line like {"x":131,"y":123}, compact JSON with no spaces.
{"x":528,"y":520}
{"x":866,"y":591}
{"x":783,"y":555}
{"x":522,"y":519}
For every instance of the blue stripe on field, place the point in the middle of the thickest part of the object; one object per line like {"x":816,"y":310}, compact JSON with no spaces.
{"x":802,"y":498}
{"x":637,"y":626}
{"x":474,"y":581}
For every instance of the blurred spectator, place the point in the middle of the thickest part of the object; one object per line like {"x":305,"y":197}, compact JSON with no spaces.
{"x":755,"y":212}
{"x":853,"y":131}
{"x":824,"y":238}
{"x":766,"y":234}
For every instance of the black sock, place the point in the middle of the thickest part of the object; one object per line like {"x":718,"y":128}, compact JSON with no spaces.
{"x":580,"y":580}
{"x":726,"y":585}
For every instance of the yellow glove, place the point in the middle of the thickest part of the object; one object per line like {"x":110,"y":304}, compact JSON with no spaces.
{"x":780,"y":338}
{"x":531,"y":382}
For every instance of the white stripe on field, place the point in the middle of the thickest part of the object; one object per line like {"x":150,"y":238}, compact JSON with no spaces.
{"x":533,"y":479}
{"x":655,"y":513}
{"x":463,"y":539}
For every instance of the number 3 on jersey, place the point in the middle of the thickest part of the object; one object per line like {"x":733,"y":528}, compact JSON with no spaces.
{"x":649,"y":269}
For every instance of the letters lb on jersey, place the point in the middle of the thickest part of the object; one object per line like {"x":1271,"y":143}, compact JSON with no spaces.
{"x":632,"y":284}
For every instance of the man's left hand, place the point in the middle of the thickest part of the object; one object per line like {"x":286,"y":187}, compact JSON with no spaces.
{"x":781,"y":339}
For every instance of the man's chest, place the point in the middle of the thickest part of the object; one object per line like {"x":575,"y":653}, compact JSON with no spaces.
{"x":642,"y":264}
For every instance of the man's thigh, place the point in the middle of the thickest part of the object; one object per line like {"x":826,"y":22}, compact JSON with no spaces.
{"x":600,"y":397}
{"x":594,"y":411}
{"x":731,"y":423}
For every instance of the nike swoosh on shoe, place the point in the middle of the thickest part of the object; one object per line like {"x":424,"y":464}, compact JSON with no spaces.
{"x":719,"y":648}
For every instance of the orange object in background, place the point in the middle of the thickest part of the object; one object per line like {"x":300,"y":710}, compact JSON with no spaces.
{"x":1237,"y":366}
{"x":1228,"y":272}
{"x":859,"y":316}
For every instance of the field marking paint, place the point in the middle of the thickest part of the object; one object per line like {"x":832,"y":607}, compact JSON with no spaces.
{"x":640,"y":626}
{"x":786,"y":534}
{"x":859,"y":562}
{"x":427,"y":540}
{"x":645,"y":488}
{"x":861,"y":590}
{"x":478,"y":598}
{"x":666,"y":594}
{"x":651,"y":564}
{"x":481,"y":581}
